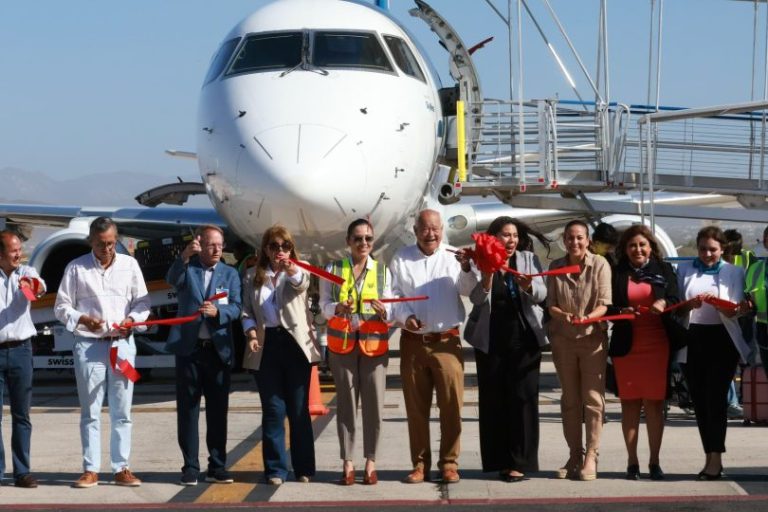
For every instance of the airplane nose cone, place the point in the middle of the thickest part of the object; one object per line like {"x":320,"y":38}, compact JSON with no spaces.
{"x":314,"y":162}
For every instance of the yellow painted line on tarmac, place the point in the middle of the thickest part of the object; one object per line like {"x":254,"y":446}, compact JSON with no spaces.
{"x":250,"y":464}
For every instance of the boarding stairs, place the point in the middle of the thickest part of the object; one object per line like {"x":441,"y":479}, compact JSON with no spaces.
{"x":551,"y":154}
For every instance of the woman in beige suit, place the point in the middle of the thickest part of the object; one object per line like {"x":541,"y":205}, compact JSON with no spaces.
{"x":579,"y":351}
{"x":281,"y":348}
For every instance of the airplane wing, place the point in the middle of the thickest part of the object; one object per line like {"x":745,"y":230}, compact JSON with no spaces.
{"x":144,"y":223}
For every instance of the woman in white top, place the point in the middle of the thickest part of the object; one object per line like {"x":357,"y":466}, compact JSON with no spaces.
{"x":715,"y":343}
{"x":281,"y":348}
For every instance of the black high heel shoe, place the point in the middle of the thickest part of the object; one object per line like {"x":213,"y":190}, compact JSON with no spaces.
{"x":655,"y":472}
{"x":704,"y":476}
{"x":633,"y":472}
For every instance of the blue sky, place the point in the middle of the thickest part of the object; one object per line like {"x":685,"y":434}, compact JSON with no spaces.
{"x":89,"y":86}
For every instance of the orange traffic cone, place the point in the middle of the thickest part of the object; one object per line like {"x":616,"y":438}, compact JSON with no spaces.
{"x":316,"y":407}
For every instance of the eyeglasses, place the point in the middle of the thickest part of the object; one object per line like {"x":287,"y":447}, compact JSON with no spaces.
{"x":361,"y":239}
{"x":285,"y":246}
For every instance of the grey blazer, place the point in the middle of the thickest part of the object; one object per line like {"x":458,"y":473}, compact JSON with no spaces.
{"x":477,"y":330}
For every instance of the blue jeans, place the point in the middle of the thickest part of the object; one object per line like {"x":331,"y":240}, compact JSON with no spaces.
{"x":283,"y":381}
{"x":16,"y":372}
{"x":95,"y":377}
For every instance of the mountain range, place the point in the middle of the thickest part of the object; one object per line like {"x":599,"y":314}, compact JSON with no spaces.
{"x":107,"y":189}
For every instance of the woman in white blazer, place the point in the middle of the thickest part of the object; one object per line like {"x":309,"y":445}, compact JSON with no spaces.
{"x":281,"y":348}
{"x":715,"y":343}
{"x":505,"y":327}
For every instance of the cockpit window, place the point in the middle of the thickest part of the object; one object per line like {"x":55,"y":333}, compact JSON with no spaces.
{"x":358,"y":50}
{"x":220,"y":59}
{"x":404,"y":57}
{"x":274,"y":50}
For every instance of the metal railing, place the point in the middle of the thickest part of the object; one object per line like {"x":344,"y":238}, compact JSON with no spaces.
{"x":548,"y":147}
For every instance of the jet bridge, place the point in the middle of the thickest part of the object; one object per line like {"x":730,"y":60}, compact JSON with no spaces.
{"x":617,"y":158}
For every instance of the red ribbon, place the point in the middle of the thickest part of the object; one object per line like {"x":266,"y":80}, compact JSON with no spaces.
{"x":626,"y":316}
{"x":170,"y":321}
{"x":123,"y":366}
{"x":32,"y":288}
{"x":721,"y":303}
{"x":319,"y":272}
{"x":572,"y":269}
{"x":399,"y":299}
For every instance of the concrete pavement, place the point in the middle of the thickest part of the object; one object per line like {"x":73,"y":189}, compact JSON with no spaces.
{"x":56,"y":457}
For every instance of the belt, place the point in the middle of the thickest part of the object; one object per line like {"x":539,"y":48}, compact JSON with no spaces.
{"x":433,"y":337}
{"x":204,"y":343}
{"x":278,"y":328}
{"x":12,"y":344}
{"x":109,"y":338}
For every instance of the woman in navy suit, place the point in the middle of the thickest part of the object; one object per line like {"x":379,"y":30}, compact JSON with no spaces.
{"x":505,"y":329}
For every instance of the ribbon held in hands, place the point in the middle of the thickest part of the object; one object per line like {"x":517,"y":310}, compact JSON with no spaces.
{"x":489,"y":253}
{"x":169,"y":321}
{"x":571,"y":269}
{"x":625,"y":316}
{"x":720,"y":303}
{"x":319,"y":272}
{"x":30,"y":287}
{"x":399,"y":299}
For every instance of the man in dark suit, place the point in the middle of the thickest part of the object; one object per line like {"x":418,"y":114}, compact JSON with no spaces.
{"x":204,"y":350}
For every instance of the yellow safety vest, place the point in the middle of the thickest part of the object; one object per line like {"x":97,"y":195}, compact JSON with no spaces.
{"x":372,"y":333}
{"x":755,"y":287}
{"x":744,"y":259}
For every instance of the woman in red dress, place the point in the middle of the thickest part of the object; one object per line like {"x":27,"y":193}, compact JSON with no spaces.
{"x":642,"y":284}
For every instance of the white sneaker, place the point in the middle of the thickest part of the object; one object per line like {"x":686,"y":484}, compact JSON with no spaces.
{"x":735,"y":412}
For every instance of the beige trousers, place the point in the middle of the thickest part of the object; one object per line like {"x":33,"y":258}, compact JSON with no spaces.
{"x":580,"y":365}
{"x":359,"y":378}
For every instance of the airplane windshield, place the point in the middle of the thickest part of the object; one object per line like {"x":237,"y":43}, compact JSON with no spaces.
{"x":221,"y":59}
{"x":275,"y":50}
{"x":359,"y":50}
{"x":404,"y":57}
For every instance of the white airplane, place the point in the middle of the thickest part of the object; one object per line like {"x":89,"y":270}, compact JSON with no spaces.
{"x":313,"y":113}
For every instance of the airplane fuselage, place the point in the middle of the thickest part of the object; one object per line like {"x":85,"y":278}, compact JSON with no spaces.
{"x":338,"y":124}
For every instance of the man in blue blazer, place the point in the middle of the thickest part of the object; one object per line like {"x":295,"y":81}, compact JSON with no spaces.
{"x":204,"y":350}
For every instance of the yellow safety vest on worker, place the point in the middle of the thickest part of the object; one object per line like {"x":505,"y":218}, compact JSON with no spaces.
{"x":371,"y":333}
{"x":754,"y":285}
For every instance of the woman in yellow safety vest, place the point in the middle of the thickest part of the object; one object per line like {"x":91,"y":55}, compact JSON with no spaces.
{"x":358,"y":336}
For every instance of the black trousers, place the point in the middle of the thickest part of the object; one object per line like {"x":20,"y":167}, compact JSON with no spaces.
{"x":712,"y":359}
{"x":508,"y":383}
{"x":202,"y":374}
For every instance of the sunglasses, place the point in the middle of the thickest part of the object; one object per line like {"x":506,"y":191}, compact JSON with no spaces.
{"x":360,"y":239}
{"x":285,"y":246}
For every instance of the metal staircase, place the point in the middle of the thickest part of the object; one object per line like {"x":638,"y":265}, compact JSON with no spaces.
{"x":559,"y":151}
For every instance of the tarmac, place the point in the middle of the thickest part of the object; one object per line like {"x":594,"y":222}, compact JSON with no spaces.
{"x":156,"y":459}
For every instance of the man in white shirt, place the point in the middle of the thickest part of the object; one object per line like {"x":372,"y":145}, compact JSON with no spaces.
{"x":100,"y":289}
{"x":16,"y":329}
{"x":430,"y":347}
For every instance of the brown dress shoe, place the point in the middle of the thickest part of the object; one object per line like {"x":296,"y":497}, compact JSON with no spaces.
{"x":415,"y":477}
{"x":371,"y":478}
{"x":450,"y":476}
{"x":86,"y":480}
{"x":125,"y":478}
{"x":26,"y":482}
